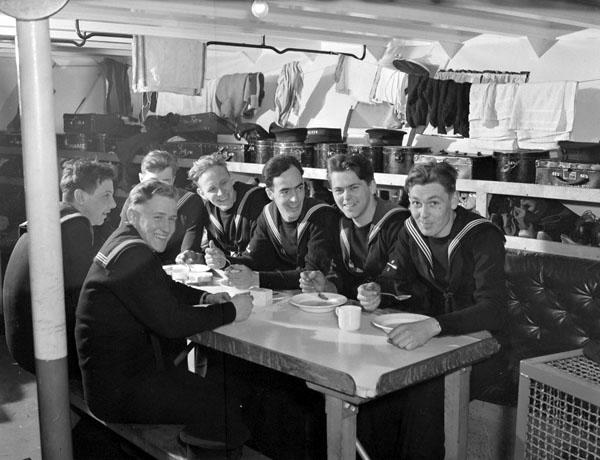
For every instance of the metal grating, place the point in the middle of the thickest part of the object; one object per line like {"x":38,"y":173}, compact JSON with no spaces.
{"x":579,"y":366}
{"x":559,"y":425}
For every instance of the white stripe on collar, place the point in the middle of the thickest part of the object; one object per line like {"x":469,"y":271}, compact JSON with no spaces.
{"x":419,"y":240}
{"x":186,"y":196}
{"x":104,"y":260}
{"x":375,"y":229}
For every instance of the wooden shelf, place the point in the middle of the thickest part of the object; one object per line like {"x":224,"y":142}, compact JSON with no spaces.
{"x":482,"y":189}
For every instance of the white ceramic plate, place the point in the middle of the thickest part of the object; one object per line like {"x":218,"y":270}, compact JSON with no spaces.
{"x":197,"y":268}
{"x":311,"y":303}
{"x":389,"y":322}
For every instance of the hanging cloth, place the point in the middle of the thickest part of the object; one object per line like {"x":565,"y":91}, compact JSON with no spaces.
{"x":287,"y":95}
{"x":188,"y":105}
{"x":118,"y":96}
{"x":168,"y":64}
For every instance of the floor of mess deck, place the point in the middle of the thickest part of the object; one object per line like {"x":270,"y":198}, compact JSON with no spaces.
{"x":19,"y":427}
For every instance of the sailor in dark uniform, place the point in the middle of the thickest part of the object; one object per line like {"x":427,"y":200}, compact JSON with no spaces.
{"x":230,"y":212}
{"x":128,"y":307}
{"x":452,"y":260}
{"x":367,"y":231}
{"x":87,"y":198}
{"x":161,"y":165}
{"x":294,"y":233}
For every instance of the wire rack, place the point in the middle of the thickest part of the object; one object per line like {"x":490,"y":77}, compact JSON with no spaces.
{"x":559,"y":409}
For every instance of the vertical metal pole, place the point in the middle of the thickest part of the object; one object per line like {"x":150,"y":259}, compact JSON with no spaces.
{"x":45,"y":252}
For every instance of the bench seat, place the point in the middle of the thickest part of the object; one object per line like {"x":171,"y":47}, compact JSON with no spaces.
{"x":158,"y":441}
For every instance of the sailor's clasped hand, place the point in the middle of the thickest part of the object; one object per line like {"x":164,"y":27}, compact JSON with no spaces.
{"x":369,"y":296}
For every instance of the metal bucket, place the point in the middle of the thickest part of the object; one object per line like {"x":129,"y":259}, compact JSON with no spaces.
{"x":303,"y":152}
{"x":398,"y":159}
{"x":325,"y":151}
{"x":260,"y":151}
{"x":518,"y":165}
{"x":373,"y":153}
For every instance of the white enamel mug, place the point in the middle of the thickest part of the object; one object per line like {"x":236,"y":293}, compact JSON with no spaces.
{"x":348,"y":317}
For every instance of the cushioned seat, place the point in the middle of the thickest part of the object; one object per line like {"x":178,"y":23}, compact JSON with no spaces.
{"x":554,"y":306}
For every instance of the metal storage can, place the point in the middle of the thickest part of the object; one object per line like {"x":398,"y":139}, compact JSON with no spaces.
{"x":518,"y":165}
{"x":325,"y":151}
{"x":303,"y":152}
{"x":398,"y":159}
{"x":260,"y":151}
{"x":373,"y":153}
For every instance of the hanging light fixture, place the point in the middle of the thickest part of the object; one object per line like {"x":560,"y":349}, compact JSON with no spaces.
{"x":260,"y":8}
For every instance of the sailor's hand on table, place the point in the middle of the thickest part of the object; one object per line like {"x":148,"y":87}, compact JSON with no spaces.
{"x":219,"y":297}
{"x":243,"y":306}
{"x":313,"y":281}
{"x":412,"y":335}
{"x":241,"y":277}
{"x":368,"y":296}
{"x":214,"y":257}
{"x":189,"y":257}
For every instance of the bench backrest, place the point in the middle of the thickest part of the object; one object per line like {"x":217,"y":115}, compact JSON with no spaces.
{"x":554,"y":301}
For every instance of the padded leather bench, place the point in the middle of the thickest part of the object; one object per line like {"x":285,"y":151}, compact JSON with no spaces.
{"x":554,"y":306}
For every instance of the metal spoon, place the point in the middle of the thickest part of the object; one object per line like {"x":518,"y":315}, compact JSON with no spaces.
{"x":399,"y":297}
{"x":320,"y":295}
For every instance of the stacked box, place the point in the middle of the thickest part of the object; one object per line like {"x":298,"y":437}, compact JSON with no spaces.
{"x":93,"y":123}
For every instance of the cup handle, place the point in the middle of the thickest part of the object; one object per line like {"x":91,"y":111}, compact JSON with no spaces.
{"x":337,"y":312}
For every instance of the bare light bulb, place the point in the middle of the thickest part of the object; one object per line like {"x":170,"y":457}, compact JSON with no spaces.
{"x":260,"y":8}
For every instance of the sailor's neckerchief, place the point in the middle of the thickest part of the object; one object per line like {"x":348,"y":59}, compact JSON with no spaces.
{"x":383,"y":212}
{"x":214,"y":220}
{"x":271,"y":212}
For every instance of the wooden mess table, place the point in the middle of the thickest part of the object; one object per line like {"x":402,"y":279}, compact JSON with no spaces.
{"x":349,"y":368}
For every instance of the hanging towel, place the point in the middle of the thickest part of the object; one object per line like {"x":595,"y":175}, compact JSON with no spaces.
{"x":168,"y":64}
{"x":389,"y":86}
{"x":356,"y":78}
{"x":287,"y":95}
{"x":189,"y":105}
{"x":548,"y":106}
{"x":490,"y":107}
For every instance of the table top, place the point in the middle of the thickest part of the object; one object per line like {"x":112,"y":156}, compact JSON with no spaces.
{"x":360,"y":363}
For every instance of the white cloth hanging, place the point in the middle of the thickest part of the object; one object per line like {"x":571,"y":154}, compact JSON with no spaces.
{"x":188,"y":105}
{"x":168,"y":64}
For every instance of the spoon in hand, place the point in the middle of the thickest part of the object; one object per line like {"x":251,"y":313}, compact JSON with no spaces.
{"x":399,"y":297}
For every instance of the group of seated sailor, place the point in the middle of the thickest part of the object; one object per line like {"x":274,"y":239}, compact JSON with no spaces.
{"x":127,"y":319}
